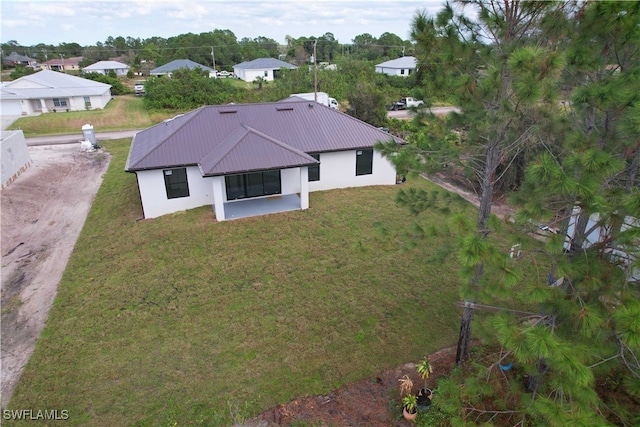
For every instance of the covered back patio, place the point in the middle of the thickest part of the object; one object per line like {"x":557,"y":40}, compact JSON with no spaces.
{"x":244,"y":208}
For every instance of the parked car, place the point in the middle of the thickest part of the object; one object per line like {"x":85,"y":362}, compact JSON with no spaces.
{"x":139,"y":88}
{"x":224,"y":74}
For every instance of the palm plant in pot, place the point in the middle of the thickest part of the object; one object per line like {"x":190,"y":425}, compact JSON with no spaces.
{"x":425,"y":395}
{"x":409,"y":400}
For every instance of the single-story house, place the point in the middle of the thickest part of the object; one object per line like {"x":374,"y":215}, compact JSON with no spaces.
{"x":168,"y":69}
{"x":267,"y":68}
{"x":398,"y":67}
{"x":63,"y":64}
{"x":15,"y":156}
{"x":48,"y":90}
{"x":253,"y":159}
{"x":14,"y":59}
{"x":104,"y":67}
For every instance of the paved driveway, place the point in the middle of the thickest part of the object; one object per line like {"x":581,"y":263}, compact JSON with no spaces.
{"x":7,"y":120}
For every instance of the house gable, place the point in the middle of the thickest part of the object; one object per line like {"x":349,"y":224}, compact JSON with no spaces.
{"x":247,"y":150}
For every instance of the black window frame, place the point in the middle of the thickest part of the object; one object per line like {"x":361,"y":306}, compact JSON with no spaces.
{"x":314,"y":170}
{"x":176,"y":183}
{"x":364,"y":161}
{"x":60,"y":102}
{"x":251,"y":185}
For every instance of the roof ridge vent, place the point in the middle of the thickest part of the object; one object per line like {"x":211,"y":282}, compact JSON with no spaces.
{"x":288,"y":108}
{"x":228,"y":111}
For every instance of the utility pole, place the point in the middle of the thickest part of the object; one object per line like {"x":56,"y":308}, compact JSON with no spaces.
{"x":63,"y":68}
{"x":213,"y":59}
{"x":315,"y":72}
{"x":46,"y":58}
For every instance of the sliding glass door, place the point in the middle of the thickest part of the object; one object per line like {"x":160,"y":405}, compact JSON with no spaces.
{"x":254,"y":184}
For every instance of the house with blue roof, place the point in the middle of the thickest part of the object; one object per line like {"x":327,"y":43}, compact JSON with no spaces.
{"x":266,"y":68}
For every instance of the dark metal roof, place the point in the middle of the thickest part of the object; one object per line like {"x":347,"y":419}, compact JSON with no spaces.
{"x":224,"y":139}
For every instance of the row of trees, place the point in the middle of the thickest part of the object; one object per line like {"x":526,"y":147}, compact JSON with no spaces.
{"x":550,"y":94}
{"x":221,"y":46}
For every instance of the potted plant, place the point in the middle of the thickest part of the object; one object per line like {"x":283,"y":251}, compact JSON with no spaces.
{"x":409,"y":400}
{"x":410,"y":407}
{"x":425,"y":395}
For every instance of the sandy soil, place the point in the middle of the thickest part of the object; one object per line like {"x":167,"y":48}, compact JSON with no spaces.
{"x":43,"y":212}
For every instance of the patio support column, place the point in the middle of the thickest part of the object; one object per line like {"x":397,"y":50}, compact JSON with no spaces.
{"x":304,"y":187}
{"x":218,"y":197}
{"x":43,"y":106}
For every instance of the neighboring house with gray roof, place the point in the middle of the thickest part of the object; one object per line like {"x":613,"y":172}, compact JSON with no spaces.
{"x":48,"y":90}
{"x":168,"y":69}
{"x":402,"y":67}
{"x":267,"y":68}
{"x":14,"y":59}
{"x":252,"y":159}
{"x":104,"y":67}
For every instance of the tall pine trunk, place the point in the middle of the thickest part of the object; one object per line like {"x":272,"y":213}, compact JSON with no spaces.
{"x":486,"y":201}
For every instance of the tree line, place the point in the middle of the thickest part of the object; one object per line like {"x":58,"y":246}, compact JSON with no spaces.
{"x":221,"y":46}
{"x":550,"y":94}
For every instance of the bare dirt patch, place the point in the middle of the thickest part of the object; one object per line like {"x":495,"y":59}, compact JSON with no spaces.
{"x":43,"y":212}
{"x":373,"y":402}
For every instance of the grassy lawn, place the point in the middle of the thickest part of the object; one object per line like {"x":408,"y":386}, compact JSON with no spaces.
{"x":184,"y":320}
{"x":122,"y":113}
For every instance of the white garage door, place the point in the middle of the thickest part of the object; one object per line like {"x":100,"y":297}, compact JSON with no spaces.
{"x":11,"y":108}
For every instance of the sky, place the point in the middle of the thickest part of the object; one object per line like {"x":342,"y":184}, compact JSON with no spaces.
{"x":30,"y":22}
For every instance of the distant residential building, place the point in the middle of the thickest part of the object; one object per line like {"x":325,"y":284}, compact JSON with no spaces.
{"x":267,"y":68}
{"x":169,"y":68}
{"x":402,"y":67}
{"x":48,"y":90}
{"x":63,"y":64}
{"x":104,"y":67}
{"x":14,"y":59}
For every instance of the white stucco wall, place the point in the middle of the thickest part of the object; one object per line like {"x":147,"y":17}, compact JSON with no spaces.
{"x":154,"y":195}
{"x":394,"y":71}
{"x":251,"y":75}
{"x":337,"y":170}
{"x":14,"y":156}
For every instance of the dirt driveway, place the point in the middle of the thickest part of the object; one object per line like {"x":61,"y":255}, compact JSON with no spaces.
{"x":43,"y":212}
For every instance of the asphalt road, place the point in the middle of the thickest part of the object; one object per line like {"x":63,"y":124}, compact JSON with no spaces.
{"x":76,"y":138}
{"x":103,"y":136}
{"x":405,"y":114}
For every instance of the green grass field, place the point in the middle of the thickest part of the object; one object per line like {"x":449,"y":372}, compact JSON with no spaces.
{"x":181,"y":320}
{"x":122,"y":113}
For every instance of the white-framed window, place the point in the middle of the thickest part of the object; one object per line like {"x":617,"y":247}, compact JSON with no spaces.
{"x":87,"y":102}
{"x":59,"y":102}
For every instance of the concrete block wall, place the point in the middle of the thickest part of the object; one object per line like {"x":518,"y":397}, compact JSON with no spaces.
{"x":15,"y":156}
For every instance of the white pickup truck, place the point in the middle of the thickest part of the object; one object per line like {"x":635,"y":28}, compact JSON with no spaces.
{"x":405,"y":103}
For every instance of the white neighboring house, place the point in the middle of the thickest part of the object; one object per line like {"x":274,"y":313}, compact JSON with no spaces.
{"x":15,"y":156}
{"x":169,"y":68}
{"x":600,"y":232}
{"x":252,"y":159}
{"x":402,"y":67}
{"x":267,"y":68}
{"x":48,"y":90}
{"x":104,"y":67}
